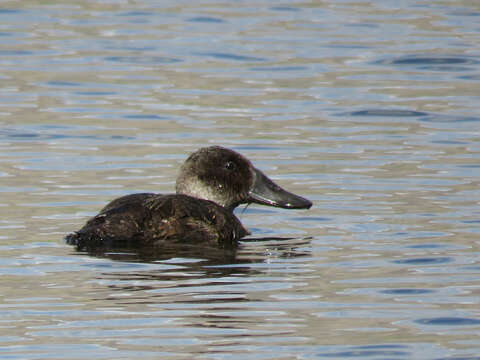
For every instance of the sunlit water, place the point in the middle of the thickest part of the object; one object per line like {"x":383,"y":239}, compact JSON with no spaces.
{"x":368,"y":108}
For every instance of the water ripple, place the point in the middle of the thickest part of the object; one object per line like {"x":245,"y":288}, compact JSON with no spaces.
{"x":432,"y":62}
{"x":381,"y":131}
{"x":386,"y":113}
{"x":206,"y":19}
{"x":144,"y":60}
{"x":230,"y":56}
{"x":424,"y":261}
{"x":449,"y":321}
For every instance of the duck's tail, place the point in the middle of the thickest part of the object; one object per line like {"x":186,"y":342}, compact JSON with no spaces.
{"x":71,"y":239}
{"x":84,"y":241}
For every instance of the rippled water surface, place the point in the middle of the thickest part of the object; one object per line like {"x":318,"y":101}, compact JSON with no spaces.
{"x":368,"y":108}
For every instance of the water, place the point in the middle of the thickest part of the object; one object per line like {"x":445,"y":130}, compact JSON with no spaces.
{"x":368,"y":108}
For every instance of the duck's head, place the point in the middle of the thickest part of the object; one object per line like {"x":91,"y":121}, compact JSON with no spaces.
{"x":229,"y":179}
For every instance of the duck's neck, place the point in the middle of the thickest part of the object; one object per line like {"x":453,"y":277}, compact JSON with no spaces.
{"x":197,"y":190}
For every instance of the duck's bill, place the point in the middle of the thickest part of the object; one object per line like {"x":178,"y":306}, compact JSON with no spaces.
{"x":265,"y":191}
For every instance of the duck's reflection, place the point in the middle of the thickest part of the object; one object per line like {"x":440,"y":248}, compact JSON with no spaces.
{"x":205,"y":289}
{"x":248,"y":251}
{"x":188,"y":262}
{"x":194,"y":253}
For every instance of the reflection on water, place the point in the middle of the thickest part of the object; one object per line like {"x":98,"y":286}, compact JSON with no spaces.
{"x":368,"y":108}
{"x":205,"y":254}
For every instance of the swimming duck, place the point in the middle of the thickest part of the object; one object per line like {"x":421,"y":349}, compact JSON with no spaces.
{"x":212,"y":182}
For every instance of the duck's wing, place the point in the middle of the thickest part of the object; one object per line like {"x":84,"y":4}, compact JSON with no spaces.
{"x":154,"y":220}
{"x":126,"y":200}
{"x":182,"y":218}
{"x":120,"y":221}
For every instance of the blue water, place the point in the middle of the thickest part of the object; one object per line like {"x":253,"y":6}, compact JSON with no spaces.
{"x":369,"y":109}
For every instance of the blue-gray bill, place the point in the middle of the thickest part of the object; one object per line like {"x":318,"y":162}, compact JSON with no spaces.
{"x":265,"y":191}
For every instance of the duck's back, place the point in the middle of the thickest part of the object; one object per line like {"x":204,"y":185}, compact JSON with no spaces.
{"x":152,"y":220}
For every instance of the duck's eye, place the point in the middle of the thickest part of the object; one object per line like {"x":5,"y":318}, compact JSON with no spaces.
{"x":230,"y":165}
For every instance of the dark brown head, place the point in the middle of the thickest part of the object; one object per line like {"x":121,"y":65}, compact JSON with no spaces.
{"x":229,"y":179}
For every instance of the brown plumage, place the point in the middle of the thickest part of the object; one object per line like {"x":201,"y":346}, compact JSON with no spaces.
{"x":212,"y":182}
{"x":153,"y":219}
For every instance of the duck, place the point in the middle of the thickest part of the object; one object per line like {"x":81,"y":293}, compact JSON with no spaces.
{"x":211,"y":183}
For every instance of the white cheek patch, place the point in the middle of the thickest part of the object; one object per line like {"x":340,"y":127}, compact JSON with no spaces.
{"x":196,"y":188}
